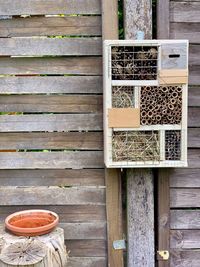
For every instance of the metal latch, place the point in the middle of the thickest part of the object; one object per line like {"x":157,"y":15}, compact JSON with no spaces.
{"x":119,"y":244}
{"x":164,"y":254}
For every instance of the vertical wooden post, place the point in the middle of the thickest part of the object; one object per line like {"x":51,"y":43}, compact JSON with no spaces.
{"x":163,"y":30}
{"x":140,"y":195}
{"x":112,"y":176}
{"x":163,"y":215}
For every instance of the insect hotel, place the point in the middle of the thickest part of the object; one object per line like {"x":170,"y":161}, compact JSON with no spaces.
{"x":145,"y":103}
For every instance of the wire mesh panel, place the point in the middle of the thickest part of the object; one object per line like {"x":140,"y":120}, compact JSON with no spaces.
{"x":134,"y":63}
{"x":173,"y":145}
{"x":136,"y":146}
{"x":161,"y":105}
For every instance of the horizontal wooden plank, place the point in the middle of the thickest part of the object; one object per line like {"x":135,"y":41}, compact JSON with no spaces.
{"x":185,"y":239}
{"x":54,"y":160}
{"x":194,"y":117}
{"x":194,"y":78}
{"x":185,"y":198}
{"x":75,"y":140}
{"x":193,"y":137}
{"x":35,"y":7}
{"x":194,"y":54}
{"x":43,"y":103}
{"x":51,"y":85}
{"x":184,"y":11}
{"x":51,"y":122}
{"x":11,"y":195}
{"x":194,"y":96}
{"x":87,"y":248}
{"x":190,"y":31}
{"x":84,"y":230}
{"x":39,"y":46}
{"x":52,"y":177}
{"x":48,"y":26}
{"x":67,"y":213}
{"x":193,"y":158}
{"x":185,"y":219}
{"x":184,"y":258}
{"x":87,"y":261}
{"x":185,"y":178}
{"x":56,"y":65}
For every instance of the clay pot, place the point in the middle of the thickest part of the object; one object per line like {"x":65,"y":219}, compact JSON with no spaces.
{"x":31,"y":222}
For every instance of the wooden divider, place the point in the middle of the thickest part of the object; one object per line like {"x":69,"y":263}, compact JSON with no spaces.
{"x":51,"y":117}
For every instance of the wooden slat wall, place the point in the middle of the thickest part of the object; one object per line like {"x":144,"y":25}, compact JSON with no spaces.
{"x":184,"y":23}
{"x":51,"y":119}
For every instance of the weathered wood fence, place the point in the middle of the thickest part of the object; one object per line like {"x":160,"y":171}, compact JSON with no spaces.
{"x":51,"y":126}
{"x":179,"y":223}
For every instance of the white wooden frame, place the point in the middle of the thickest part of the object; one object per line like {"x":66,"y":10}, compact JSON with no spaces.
{"x":109,"y":83}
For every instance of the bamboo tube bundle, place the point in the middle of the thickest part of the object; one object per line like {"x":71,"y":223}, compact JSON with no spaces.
{"x":123,"y":97}
{"x":135,"y":146}
{"x":134,"y":63}
{"x":161,"y":105}
{"x":173,"y":145}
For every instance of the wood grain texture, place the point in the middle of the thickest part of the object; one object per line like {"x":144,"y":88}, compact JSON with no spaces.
{"x":51,"y":196}
{"x":185,"y":258}
{"x":51,"y":85}
{"x":87,"y":261}
{"x":54,"y":160}
{"x":140,"y":204}
{"x":194,"y":75}
{"x":32,"y":7}
{"x":185,"y":219}
{"x":185,"y":239}
{"x":193,"y":158}
{"x":52,"y":177}
{"x":50,"y":46}
{"x":114,"y":215}
{"x":163,"y":31}
{"x":43,"y":26}
{"x":112,"y":177}
{"x":185,"y":178}
{"x":43,"y":103}
{"x":87,"y":248}
{"x":75,"y":140}
{"x":163,"y":214}
{"x":57,"y":65}
{"x":194,"y":52}
{"x":193,"y":137}
{"x":184,"y":11}
{"x":52,"y":122}
{"x":193,"y":117}
{"x":194,"y":96}
{"x":84,"y":230}
{"x":140,"y":217}
{"x":190,"y":31}
{"x":137,"y":17}
{"x":67,"y":213}
{"x":185,"y":198}
{"x":110,"y":19}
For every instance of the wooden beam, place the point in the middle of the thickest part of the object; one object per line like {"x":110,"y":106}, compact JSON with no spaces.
{"x":137,"y":17}
{"x":112,"y":176}
{"x":163,"y":200}
{"x":163,"y":19}
{"x":163,"y":214}
{"x":140,"y":197}
{"x":113,"y":204}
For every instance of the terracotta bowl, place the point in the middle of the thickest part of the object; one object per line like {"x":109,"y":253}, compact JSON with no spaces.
{"x":31,"y":222}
